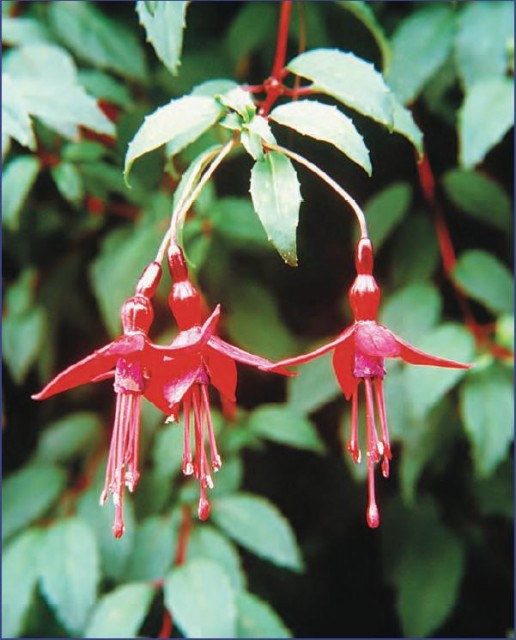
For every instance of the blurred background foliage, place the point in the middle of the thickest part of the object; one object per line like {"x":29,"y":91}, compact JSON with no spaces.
{"x":287,"y":550}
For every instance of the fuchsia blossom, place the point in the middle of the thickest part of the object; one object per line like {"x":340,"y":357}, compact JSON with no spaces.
{"x":134,"y":361}
{"x":183,"y":383}
{"x":359,"y":353}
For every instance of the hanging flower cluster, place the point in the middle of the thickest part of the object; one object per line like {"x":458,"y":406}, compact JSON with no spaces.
{"x":171,"y":377}
{"x":358,"y":356}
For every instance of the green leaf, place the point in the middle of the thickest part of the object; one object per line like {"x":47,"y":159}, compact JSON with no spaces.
{"x":178,"y":123}
{"x":154,"y":549}
{"x":385,"y":210}
{"x":347,"y":78}
{"x":276,"y":200}
{"x":416,"y":250}
{"x":18,"y":178}
{"x":412,"y":311}
{"x":428,"y":566}
{"x":164,"y":23}
{"x":96,"y":39}
{"x":505,"y":331}
{"x":46,"y":79}
{"x":490,"y":102}
{"x":427,"y":385}
{"x":103,"y":86}
{"x":207,"y":542}
{"x":363,"y":12}
{"x":486,"y":279}
{"x":252,"y":27}
{"x":258,"y":525}
{"x":27,"y":494}
{"x":19,"y":577}
{"x":19,"y":31}
{"x":257,"y":619}
{"x":69,"y":569}
{"x":314,"y":386}
{"x":487,"y":404}
{"x":22,"y":337}
{"x":168,"y":451}
{"x":254,"y":134}
{"x":482,"y":44}
{"x":202,"y":600}
{"x":419,"y":47}
{"x":121,"y":612}
{"x":69,"y":437}
{"x":285,"y":425}
{"x":480,"y":197}
{"x":114,"y":552}
{"x":214,"y":88}
{"x":69,"y":182}
{"x":495,"y":495}
{"x":403,"y":123}
{"x":84,"y":151}
{"x":16,"y":121}
{"x":235,"y":220}
{"x":326,"y":123}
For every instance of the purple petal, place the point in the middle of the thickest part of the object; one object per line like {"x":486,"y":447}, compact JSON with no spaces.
{"x":374,"y":339}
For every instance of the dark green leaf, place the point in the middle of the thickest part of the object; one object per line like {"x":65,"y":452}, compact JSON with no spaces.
{"x":416,"y":250}
{"x":202,"y":600}
{"x":69,"y":568}
{"x":314,"y":386}
{"x":168,"y":451}
{"x":252,"y":27}
{"x":69,"y":437}
{"x":18,"y":178}
{"x":27,"y":494}
{"x":69,"y":182}
{"x":482,"y":43}
{"x":283,"y":424}
{"x":427,"y":385}
{"x":385,"y":210}
{"x":121,"y":612}
{"x":16,"y":121}
{"x":326,"y":123}
{"x":420,"y":46}
{"x":103,"y":86}
{"x":22,"y":337}
{"x":178,"y":123}
{"x":487,"y":403}
{"x":258,"y":525}
{"x":480,"y":197}
{"x":235,"y":220}
{"x":95,"y":38}
{"x":154,"y":549}
{"x":207,"y":542}
{"x":84,"y":151}
{"x":347,"y":78}
{"x":276,"y":199}
{"x":495,"y":495}
{"x":257,"y":619}
{"x":19,"y":577}
{"x":490,"y":102}
{"x":164,"y":28}
{"x":412,"y":311}
{"x":486,"y":279}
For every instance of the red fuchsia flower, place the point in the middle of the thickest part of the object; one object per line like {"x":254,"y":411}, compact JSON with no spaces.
{"x":133,"y":360}
{"x":359,"y":353}
{"x":183,"y":383}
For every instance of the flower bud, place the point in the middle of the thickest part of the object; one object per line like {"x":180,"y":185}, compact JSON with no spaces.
{"x":149,"y":280}
{"x":137,"y":314}
{"x":364,"y":257}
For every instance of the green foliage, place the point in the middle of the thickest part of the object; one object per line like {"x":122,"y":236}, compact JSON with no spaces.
{"x":256,"y":619}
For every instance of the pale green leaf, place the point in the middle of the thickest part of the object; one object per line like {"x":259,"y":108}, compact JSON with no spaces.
{"x":69,"y":182}
{"x":259,"y":526}
{"x":18,"y":178}
{"x":480,"y":197}
{"x":426,"y":385}
{"x":486,"y":279}
{"x":254,"y":134}
{"x":69,"y":437}
{"x":69,"y":570}
{"x":20,"y":31}
{"x":326,"y":123}
{"x":207,"y":542}
{"x":154,"y":549}
{"x":19,"y":577}
{"x":347,"y":78}
{"x":284,"y":425}
{"x":106,"y":87}
{"x":419,"y":47}
{"x":491,"y":103}
{"x":84,"y":151}
{"x":403,"y":123}
{"x":214,"y":88}
{"x":97,"y":39}
{"x":257,"y":619}
{"x":314,"y":386}
{"x":482,"y":48}
{"x":385,"y":210}
{"x":177,"y":124}
{"x":16,"y":122}
{"x":412,"y":311}
{"x":202,"y":600}
{"x":363,"y":12}
{"x":121,"y":612}
{"x":164,"y":23}
{"x":487,"y":403}
{"x":22,"y":337}
{"x":505,"y":331}
{"x":276,"y":200}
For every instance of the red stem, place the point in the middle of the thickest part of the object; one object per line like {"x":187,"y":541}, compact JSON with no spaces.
{"x":184,"y":535}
